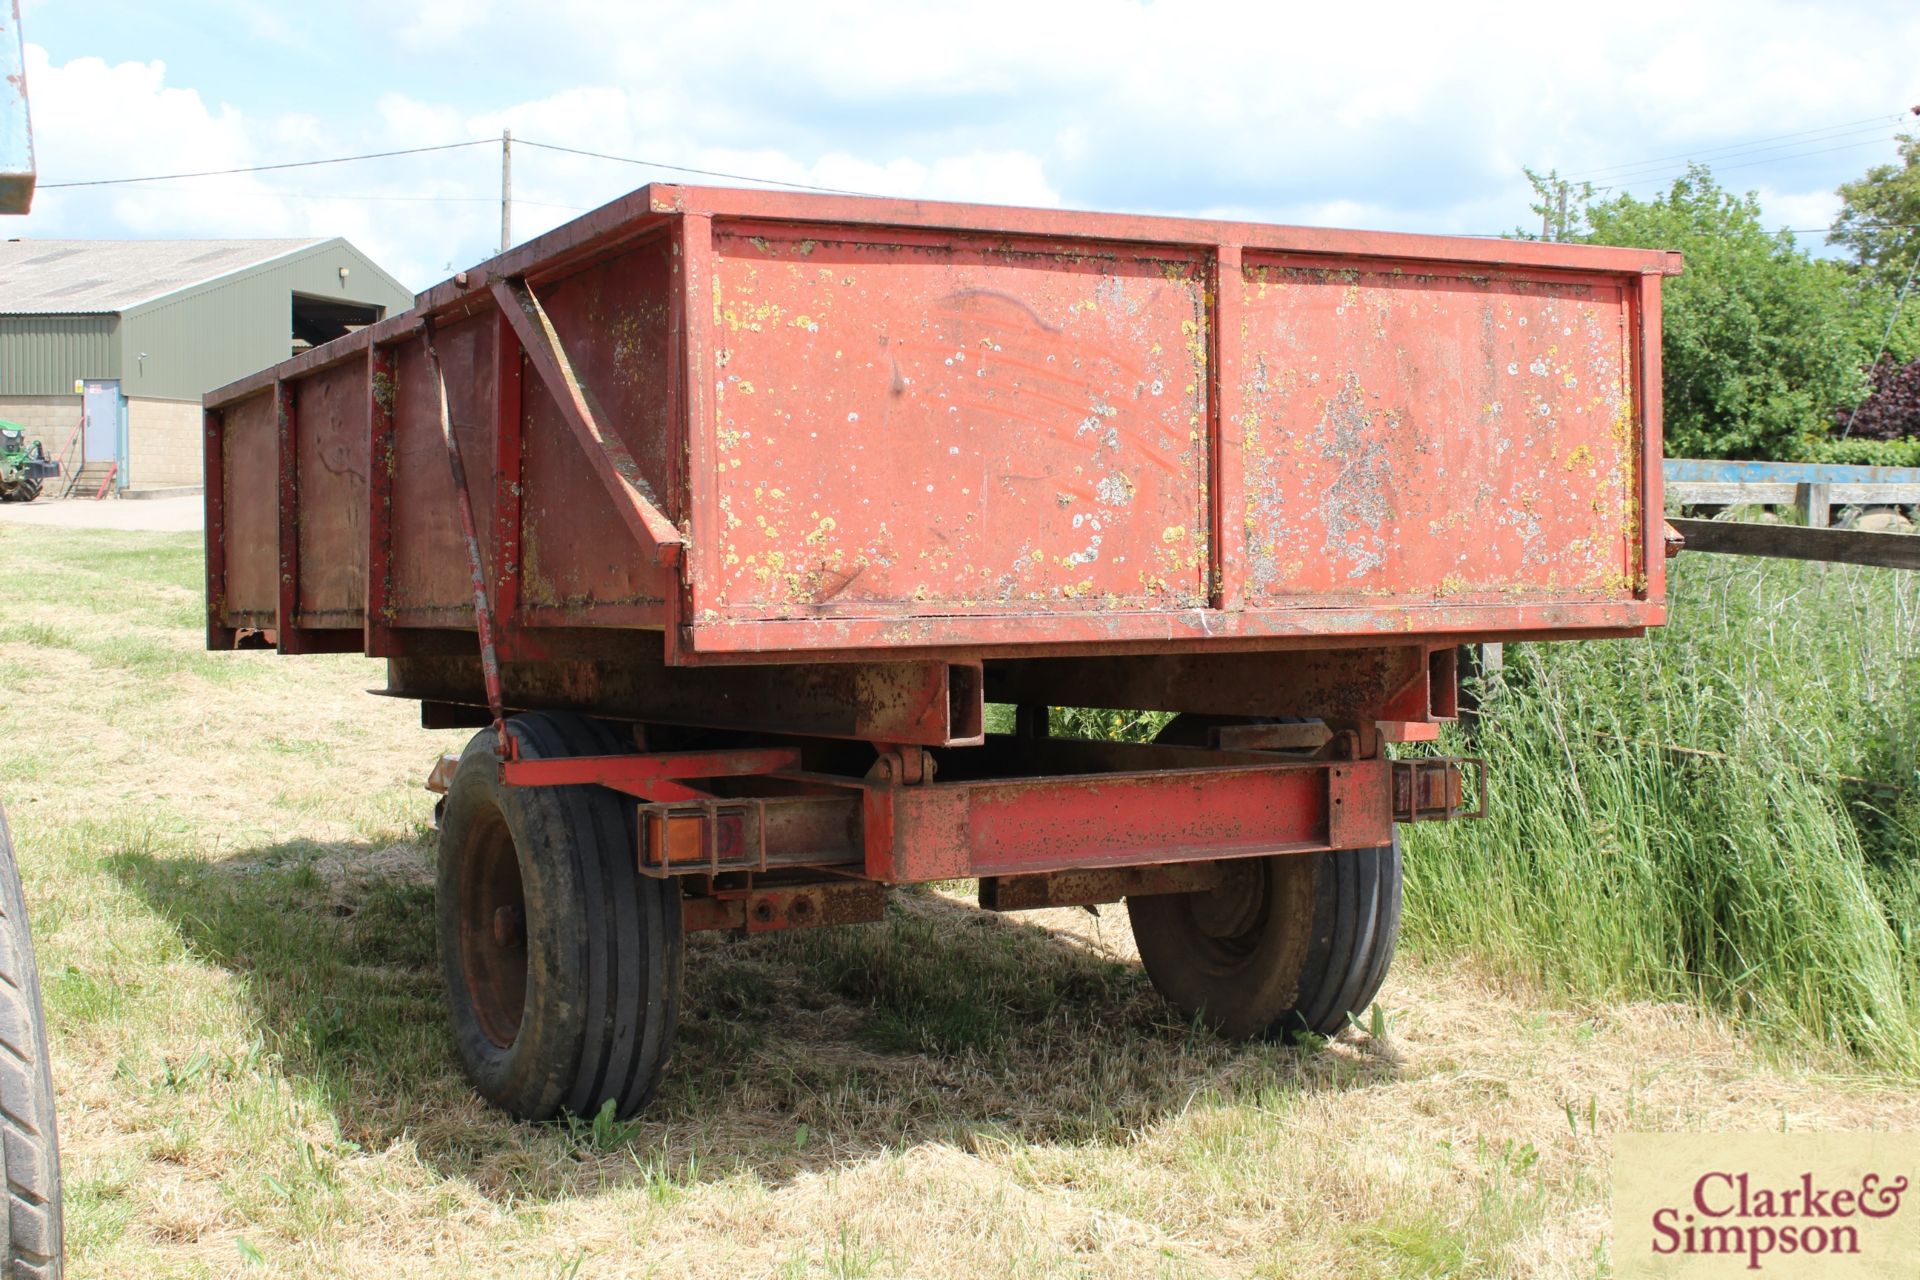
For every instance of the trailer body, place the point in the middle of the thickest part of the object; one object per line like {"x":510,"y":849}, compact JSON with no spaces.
{"x":846,"y":468}
{"x":724,"y":515}
{"x":881,"y":429}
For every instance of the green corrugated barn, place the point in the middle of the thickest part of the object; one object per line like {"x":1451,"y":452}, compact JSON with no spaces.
{"x":106,"y":346}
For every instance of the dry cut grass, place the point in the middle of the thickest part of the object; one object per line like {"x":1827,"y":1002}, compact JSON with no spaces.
{"x":229,"y":874}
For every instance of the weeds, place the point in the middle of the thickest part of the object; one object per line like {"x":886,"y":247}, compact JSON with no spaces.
{"x":1725,"y":812}
{"x":603,"y":1132}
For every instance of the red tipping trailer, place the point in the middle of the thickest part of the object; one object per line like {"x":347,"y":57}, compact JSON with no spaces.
{"x":724,"y":514}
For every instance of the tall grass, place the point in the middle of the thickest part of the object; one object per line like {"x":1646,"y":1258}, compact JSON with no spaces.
{"x":1770,"y":869}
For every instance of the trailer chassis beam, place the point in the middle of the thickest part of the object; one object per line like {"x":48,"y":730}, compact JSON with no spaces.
{"x":1121,"y":818}
{"x":1198,"y":807}
{"x":922,"y":703}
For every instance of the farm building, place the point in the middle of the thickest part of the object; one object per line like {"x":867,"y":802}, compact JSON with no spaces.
{"x":106,"y":346}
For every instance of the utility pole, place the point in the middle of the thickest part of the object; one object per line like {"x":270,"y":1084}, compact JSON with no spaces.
{"x":506,"y":190}
{"x":1553,"y":212}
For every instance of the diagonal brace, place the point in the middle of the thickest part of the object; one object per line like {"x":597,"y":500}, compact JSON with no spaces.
{"x":611,"y":461}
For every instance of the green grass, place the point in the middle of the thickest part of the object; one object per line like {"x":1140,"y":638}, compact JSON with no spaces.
{"x":1771,"y":870}
{"x":229,"y":875}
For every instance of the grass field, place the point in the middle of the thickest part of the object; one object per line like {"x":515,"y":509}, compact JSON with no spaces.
{"x":229,"y":873}
{"x":1729,"y":814}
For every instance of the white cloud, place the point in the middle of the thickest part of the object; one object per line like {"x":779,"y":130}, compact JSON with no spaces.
{"x":1405,"y":116}
{"x":433,"y":24}
{"x":1800,"y":211}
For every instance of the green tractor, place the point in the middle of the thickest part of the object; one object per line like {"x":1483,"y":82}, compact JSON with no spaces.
{"x":23,"y":467}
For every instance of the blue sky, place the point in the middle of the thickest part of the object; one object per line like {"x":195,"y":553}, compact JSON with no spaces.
{"x":1411,"y":117}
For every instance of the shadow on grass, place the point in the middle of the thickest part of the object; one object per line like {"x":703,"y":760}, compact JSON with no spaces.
{"x":797,"y":1051}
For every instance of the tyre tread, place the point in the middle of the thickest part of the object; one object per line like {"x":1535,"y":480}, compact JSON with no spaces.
{"x":28,"y":1133}
{"x":623,"y":928}
{"x":1353,"y":926}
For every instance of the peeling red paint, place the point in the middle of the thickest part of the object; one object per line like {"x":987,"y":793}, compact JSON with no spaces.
{"x":880,"y":427}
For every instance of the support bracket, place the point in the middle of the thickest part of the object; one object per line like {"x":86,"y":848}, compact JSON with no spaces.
{"x":610,"y":459}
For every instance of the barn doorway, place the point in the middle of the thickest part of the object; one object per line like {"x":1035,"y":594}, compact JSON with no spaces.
{"x":318,"y":320}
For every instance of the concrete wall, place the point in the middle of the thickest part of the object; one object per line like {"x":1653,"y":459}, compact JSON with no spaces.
{"x":163,"y":436}
{"x":164,"y":443}
{"x":49,"y":419}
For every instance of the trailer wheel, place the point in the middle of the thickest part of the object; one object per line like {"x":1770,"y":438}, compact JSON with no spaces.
{"x":27,"y":1133}
{"x":562,"y":962}
{"x":1286,"y":945}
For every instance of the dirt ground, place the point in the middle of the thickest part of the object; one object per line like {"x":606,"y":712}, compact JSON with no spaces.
{"x":155,"y":515}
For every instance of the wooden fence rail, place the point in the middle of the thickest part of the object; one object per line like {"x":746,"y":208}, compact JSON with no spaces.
{"x":1815,"y":488}
{"x":1797,"y":542}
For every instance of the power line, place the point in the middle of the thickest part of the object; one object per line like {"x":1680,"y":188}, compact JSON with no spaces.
{"x":1767,"y":155}
{"x":263,"y":168}
{"x":453,"y":146}
{"x":681,"y":168}
{"x":1751,"y":143}
{"x":386,"y":198}
{"x":1744,"y":164}
{"x":1839,"y":130}
{"x":1858,"y":226}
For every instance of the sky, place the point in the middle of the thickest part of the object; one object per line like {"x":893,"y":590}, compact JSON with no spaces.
{"x":1413,"y":117}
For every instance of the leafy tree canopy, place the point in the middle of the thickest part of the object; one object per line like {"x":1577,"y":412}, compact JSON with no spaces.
{"x":1880,"y":216}
{"x":1761,"y":341}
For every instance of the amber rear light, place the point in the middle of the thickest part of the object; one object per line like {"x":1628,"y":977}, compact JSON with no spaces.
{"x":688,"y":839}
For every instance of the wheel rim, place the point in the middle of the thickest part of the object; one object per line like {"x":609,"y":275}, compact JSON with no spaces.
{"x":1230,"y":919}
{"x":493,"y":933}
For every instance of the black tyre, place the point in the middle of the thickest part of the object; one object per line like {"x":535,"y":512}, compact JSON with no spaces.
{"x":1286,"y":945}
{"x":562,"y":962}
{"x":29,"y":489}
{"x":31,"y":1144}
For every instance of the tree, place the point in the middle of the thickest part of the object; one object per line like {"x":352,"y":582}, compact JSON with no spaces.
{"x":1892,"y":411}
{"x":1880,"y":216}
{"x":1761,"y":341}
{"x":1560,"y":203}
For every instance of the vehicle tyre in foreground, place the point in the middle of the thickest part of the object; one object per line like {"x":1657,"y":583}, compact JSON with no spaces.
{"x":26,"y":1092}
{"x":562,"y":962}
{"x":1285,"y":945}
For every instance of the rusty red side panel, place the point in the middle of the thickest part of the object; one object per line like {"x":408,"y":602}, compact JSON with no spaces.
{"x":578,"y":565}
{"x":1434,"y":434}
{"x":430,"y":583}
{"x":911,"y":423}
{"x":252,"y":521}
{"x":780,"y":427}
{"x":331,"y":450}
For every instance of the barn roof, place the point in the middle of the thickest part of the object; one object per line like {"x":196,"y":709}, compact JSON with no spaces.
{"x":69,"y":277}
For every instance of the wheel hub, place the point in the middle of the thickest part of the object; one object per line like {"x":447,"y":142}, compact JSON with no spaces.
{"x":1232,"y":908}
{"x":493,"y":935}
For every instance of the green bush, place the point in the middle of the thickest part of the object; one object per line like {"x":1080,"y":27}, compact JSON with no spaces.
{"x":1868,"y":453}
{"x":1761,"y":341}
